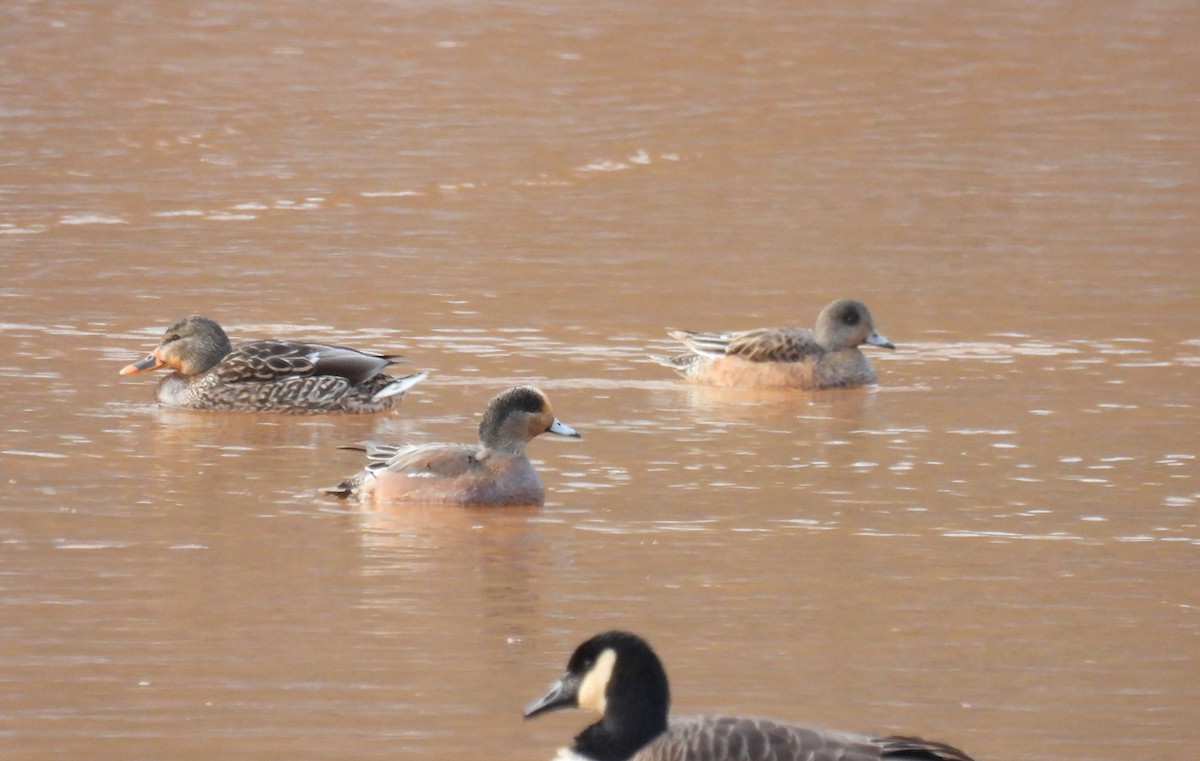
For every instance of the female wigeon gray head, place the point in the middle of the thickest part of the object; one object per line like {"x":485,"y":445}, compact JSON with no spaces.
{"x":846,"y":323}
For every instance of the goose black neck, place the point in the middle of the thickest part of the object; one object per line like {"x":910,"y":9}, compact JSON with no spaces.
{"x":618,"y":737}
{"x":638,"y":700}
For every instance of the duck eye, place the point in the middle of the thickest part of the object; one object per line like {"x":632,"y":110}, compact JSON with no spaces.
{"x":850,"y":317}
{"x":172,"y":337}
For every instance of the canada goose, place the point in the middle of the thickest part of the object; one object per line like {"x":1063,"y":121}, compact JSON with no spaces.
{"x":617,"y":674}
{"x":826,"y":356}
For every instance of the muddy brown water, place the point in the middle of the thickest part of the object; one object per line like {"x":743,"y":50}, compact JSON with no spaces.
{"x":997,"y":547}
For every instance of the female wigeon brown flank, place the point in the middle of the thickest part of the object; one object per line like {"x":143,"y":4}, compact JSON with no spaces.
{"x":619,"y":676}
{"x":493,"y":472}
{"x":825,"y":357}
{"x":270,"y":375}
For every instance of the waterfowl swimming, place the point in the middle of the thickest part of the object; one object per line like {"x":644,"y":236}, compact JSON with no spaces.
{"x":493,"y":472}
{"x":825,"y":357}
{"x":268,"y":376}
{"x":619,"y":676}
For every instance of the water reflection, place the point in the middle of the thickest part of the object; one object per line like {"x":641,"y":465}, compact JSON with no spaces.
{"x":992,"y":545}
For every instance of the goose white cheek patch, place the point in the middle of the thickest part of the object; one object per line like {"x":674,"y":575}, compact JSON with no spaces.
{"x":595,"y":684}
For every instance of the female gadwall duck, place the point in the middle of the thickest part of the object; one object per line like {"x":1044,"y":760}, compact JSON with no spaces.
{"x":619,"y":676}
{"x":268,"y":376}
{"x":825,"y":357}
{"x":493,"y":472}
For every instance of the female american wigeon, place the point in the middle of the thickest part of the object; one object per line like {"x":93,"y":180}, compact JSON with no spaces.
{"x":824,"y":357}
{"x":493,"y":472}
{"x":618,"y":675}
{"x":269,"y":375}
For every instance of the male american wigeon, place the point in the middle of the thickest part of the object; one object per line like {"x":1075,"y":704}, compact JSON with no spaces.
{"x":493,"y":472}
{"x":268,"y":376}
{"x":824,"y":357}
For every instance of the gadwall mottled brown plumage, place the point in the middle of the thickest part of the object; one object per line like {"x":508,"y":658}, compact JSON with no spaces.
{"x":268,"y":376}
